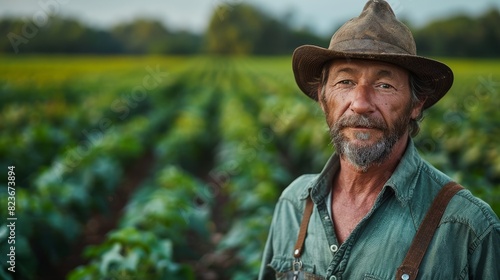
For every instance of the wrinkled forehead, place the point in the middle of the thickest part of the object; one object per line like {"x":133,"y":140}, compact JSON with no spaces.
{"x":374,"y":67}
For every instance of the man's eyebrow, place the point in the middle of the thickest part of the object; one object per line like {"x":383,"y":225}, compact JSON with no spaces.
{"x":347,"y":70}
{"x":384,"y":74}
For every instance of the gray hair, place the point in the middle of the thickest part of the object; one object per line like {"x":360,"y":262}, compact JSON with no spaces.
{"x":420,"y":90}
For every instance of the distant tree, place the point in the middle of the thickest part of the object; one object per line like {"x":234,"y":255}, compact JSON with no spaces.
{"x":57,"y":35}
{"x":461,"y":36}
{"x":274,"y":38}
{"x":183,"y":42}
{"x":141,"y":36}
{"x":234,"y":29}
{"x":306,"y":36}
{"x":243,"y":29}
{"x":490,"y":23}
{"x":151,"y":36}
{"x":12,"y":37}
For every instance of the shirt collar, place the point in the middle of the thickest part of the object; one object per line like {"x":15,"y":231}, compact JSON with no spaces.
{"x":402,"y":181}
{"x":319,"y":187}
{"x":405,"y":177}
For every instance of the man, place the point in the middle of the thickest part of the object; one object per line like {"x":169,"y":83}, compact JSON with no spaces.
{"x":373,"y":194}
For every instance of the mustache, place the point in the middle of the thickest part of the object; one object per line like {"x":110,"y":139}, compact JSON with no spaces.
{"x":360,"y":121}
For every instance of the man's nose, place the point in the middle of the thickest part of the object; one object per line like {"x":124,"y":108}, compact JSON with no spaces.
{"x":362,"y":100}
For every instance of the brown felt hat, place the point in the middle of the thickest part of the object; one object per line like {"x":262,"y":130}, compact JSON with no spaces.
{"x":375,"y":34}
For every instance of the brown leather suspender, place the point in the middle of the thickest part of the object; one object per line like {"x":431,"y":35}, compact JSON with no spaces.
{"x":409,"y":268}
{"x":299,"y":245}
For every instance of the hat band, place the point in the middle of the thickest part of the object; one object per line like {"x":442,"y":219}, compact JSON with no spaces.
{"x":367,"y":46}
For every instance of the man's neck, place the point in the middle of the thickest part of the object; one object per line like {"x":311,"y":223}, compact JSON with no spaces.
{"x":359,"y":185}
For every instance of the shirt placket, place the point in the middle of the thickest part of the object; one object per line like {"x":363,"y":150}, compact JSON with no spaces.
{"x":341,"y":253}
{"x":333,"y":244}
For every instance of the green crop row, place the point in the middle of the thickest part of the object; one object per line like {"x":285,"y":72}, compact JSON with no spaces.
{"x":71,"y":139}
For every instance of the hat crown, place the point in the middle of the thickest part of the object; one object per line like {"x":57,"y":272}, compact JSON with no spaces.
{"x":376,"y":30}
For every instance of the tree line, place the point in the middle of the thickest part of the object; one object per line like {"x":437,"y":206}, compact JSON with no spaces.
{"x":233,"y":29}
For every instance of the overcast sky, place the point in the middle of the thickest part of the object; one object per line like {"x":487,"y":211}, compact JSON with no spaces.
{"x":323,"y":16}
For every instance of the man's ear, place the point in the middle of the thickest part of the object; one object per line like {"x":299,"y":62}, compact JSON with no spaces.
{"x":417,"y":109}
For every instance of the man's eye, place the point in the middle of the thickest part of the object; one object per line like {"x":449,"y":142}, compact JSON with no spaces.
{"x":385,"y":86}
{"x":345,"y":82}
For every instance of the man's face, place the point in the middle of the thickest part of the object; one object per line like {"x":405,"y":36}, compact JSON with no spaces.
{"x":368,"y":107}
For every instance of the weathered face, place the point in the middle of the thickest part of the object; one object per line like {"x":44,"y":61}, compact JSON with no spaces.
{"x":368,"y":107}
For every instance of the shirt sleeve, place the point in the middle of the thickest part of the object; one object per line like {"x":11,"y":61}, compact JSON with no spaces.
{"x":485,"y":259}
{"x":266,"y":272}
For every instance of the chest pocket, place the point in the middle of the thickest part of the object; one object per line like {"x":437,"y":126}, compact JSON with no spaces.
{"x":283,"y":270}
{"x":302,"y":276}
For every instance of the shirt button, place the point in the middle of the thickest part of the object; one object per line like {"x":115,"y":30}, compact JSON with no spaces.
{"x":333,"y":277}
{"x":334,"y":248}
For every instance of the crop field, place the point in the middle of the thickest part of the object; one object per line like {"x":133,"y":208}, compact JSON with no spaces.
{"x":169,"y":167}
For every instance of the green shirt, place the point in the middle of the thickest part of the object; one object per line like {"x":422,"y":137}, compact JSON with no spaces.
{"x":466,"y":244}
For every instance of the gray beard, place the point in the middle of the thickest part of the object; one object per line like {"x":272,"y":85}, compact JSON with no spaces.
{"x":365,"y":156}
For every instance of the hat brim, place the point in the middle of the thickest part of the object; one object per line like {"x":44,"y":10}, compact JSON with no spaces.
{"x":308,"y":61}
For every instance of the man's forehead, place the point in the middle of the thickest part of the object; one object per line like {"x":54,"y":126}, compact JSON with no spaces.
{"x":353,"y":66}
